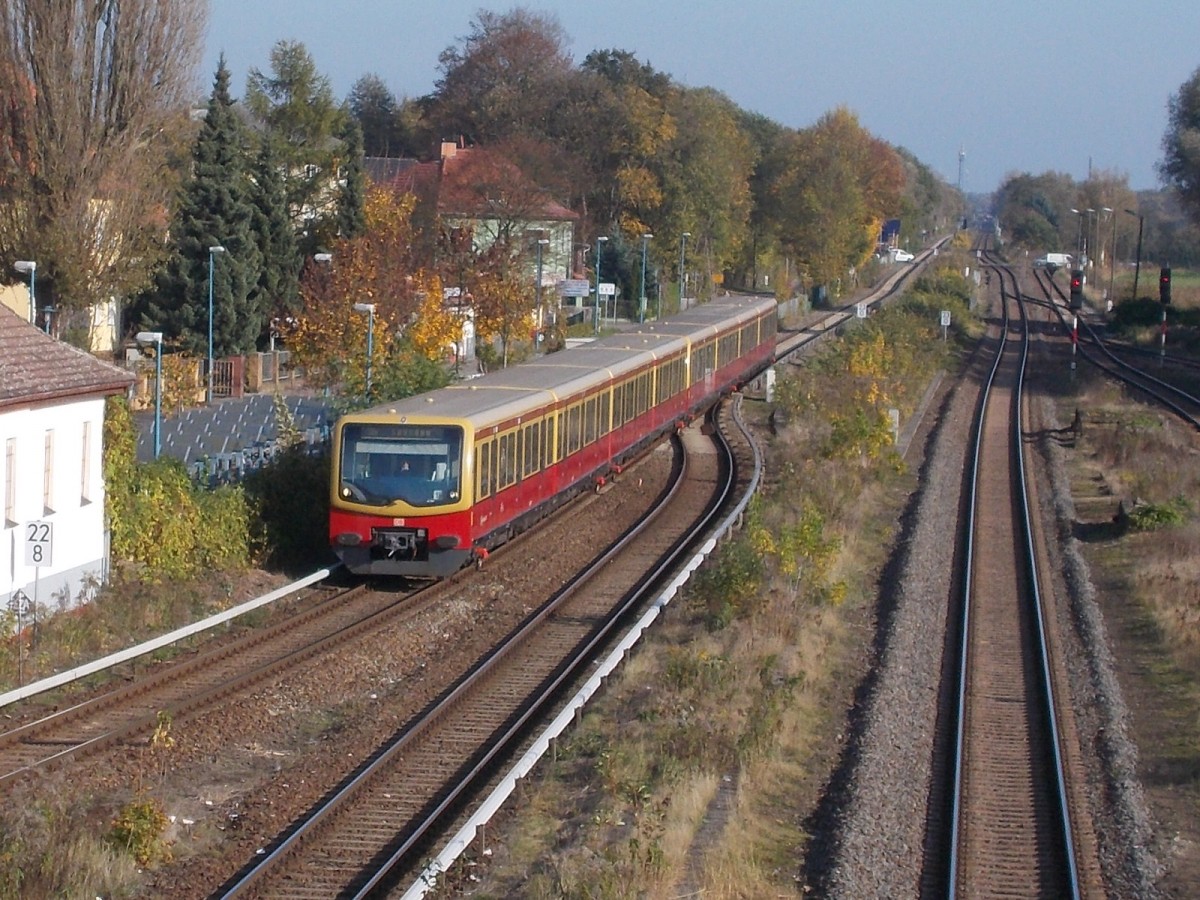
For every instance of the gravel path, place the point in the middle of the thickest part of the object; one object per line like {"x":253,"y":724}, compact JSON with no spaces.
{"x":877,"y":810}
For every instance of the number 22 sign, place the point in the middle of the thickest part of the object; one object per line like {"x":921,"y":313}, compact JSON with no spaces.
{"x":39,"y":543}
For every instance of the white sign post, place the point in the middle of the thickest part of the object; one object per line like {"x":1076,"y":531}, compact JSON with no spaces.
{"x":39,"y":544}
{"x":39,"y":552}
{"x":945,"y":322}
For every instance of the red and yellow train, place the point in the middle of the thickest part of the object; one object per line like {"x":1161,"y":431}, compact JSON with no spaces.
{"x":422,"y":486}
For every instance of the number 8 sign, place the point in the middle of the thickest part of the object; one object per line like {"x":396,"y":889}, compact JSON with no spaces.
{"x":39,"y":544}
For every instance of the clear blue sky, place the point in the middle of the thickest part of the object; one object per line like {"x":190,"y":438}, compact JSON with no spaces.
{"x":1017,"y":86}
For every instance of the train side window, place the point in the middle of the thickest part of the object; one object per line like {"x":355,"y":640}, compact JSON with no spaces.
{"x":507,"y":464}
{"x":548,"y":439}
{"x":533,"y":447}
{"x":589,"y":421}
{"x":483,"y":456}
{"x":574,"y":426}
{"x":604,"y":411}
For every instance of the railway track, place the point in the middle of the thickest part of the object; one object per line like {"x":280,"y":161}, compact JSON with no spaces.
{"x":378,"y":823}
{"x":200,"y":681}
{"x":1129,"y":365}
{"x":1011,"y":828}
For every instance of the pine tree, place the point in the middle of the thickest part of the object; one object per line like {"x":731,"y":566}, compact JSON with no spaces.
{"x":277,"y":291}
{"x":215,"y":209}
{"x":351,"y":217}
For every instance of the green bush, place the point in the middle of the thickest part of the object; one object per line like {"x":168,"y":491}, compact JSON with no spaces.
{"x":729,"y":584}
{"x":289,"y":500}
{"x":159,"y":520}
{"x":1152,"y":516}
{"x":138,"y":830}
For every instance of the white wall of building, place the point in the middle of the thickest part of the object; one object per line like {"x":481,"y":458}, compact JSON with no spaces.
{"x":51,"y":469}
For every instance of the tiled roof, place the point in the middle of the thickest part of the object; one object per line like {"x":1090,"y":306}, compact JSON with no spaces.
{"x":458,"y":181}
{"x":35,"y":368}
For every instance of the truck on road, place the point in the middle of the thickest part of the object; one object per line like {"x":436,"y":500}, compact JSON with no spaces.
{"x":1054,"y":261}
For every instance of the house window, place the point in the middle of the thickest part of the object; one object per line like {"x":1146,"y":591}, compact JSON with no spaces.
{"x":48,"y":479}
{"x":10,"y":482}
{"x":85,"y":471}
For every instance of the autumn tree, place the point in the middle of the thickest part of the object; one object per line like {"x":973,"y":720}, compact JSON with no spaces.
{"x":705,"y":176}
{"x":1034,"y":210}
{"x":1180,"y":165}
{"x":505,"y":78}
{"x":92,"y":96}
{"x":837,"y":184}
{"x":329,"y":338}
{"x":503,"y":304}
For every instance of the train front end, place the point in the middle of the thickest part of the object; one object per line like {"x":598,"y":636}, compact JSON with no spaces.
{"x":400,"y":495}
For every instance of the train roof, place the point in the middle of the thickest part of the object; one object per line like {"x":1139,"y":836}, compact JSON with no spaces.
{"x":499,"y":396}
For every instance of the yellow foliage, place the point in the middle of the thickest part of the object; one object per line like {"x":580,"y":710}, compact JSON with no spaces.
{"x":329,"y":338}
{"x":436,"y":328}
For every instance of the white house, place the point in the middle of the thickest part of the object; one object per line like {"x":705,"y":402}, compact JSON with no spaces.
{"x":53,"y":540}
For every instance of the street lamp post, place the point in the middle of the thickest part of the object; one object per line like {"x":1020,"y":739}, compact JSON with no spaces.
{"x":1078,"y":237}
{"x":682,"y":278}
{"x":1088,"y":235}
{"x":369,"y":309}
{"x":542,"y":242}
{"x":29,"y":267}
{"x":155,"y":338}
{"x":212,"y":251}
{"x":642,"y":300}
{"x":1112,"y":256}
{"x":1137,"y":266}
{"x":600,"y":241}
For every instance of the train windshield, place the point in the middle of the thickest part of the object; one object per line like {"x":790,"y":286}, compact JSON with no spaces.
{"x":419,"y":464}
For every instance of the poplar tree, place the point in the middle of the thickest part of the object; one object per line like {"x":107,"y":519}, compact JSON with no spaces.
{"x":215,"y":208}
{"x":296,"y":105}
{"x":1180,"y":165}
{"x":352,"y":186}
{"x":91,"y":97}
{"x":277,"y":291}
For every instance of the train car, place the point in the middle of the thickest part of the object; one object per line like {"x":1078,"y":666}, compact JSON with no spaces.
{"x":423,"y":486}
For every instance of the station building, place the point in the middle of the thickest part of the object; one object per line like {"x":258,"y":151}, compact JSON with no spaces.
{"x":53,"y":534}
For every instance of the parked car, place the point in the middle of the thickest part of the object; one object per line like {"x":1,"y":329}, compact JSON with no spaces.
{"x":902,"y":255}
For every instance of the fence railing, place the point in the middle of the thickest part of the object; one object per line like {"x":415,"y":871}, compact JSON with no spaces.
{"x":230,"y":468}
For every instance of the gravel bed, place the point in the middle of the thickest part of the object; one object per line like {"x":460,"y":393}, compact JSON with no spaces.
{"x":1119,"y":810}
{"x":871,"y":842}
{"x":873,"y":819}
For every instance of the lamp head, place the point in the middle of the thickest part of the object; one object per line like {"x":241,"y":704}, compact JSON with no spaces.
{"x":216,"y":248}
{"x":25,"y":266}
{"x":364,"y":307}
{"x":322,"y":257}
{"x":149,"y":337}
